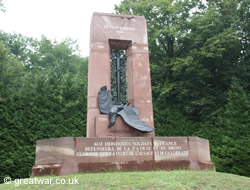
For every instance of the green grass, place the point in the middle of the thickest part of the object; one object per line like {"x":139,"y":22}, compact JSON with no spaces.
{"x":178,"y":179}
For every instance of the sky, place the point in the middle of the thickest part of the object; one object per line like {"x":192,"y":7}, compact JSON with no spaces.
{"x":55,"y":19}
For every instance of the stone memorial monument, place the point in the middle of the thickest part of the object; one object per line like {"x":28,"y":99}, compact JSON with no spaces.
{"x":120,"y":125}
{"x":111,"y":37}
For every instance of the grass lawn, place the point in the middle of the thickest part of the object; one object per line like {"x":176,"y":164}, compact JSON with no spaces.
{"x":178,"y":179}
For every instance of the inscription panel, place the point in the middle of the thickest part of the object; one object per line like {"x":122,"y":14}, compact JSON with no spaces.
{"x":137,"y":149}
{"x":124,"y":149}
{"x":171,"y":148}
{"x":95,"y":150}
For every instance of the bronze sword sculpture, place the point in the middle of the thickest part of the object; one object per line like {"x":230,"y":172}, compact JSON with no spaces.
{"x":120,"y":107}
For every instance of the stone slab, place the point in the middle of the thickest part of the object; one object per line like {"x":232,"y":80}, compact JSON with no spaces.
{"x":198,"y":147}
{"x":55,"y":151}
{"x":68,"y":155}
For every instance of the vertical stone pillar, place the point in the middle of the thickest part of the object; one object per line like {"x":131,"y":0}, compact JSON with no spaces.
{"x":119,"y":32}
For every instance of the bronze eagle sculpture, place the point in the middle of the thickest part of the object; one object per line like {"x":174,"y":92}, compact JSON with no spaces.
{"x":128,"y":113}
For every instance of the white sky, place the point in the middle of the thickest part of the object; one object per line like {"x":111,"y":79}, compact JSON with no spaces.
{"x":56,"y":19}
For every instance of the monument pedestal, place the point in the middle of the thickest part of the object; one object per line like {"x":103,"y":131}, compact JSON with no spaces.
{"x":67,"y":155}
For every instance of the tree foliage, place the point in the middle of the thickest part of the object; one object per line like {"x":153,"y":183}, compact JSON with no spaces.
{"x":197,"y":50}
{"x":42,"y":95}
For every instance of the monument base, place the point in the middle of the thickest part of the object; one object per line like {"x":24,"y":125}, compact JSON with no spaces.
{"x":67,"y":155}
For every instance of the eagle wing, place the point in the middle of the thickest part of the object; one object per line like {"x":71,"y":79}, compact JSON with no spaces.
{"x":130,"y":115}
{"x":105,"y":100}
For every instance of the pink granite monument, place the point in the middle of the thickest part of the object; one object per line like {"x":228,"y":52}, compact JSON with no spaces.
{"x":129,"y":33}
{"x":119,"y":147}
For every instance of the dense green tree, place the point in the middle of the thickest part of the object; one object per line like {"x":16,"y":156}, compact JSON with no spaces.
{"x":228,"y":132}
{"x":42,"y":95}
{"x":197,"y":49}
{"x":235,"y":131}
{"x":188,"y":41}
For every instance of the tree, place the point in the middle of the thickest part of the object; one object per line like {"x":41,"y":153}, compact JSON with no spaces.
{"x":191,"y":53}
{"x":43,"y":87}
{"x":197,"y":49}
{"x":236,"y":131}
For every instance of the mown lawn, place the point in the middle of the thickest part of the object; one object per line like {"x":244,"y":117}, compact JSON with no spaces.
{"x":178,"y":179}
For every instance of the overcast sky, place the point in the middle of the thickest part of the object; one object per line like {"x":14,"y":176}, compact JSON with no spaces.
{"x":56,"y":19}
